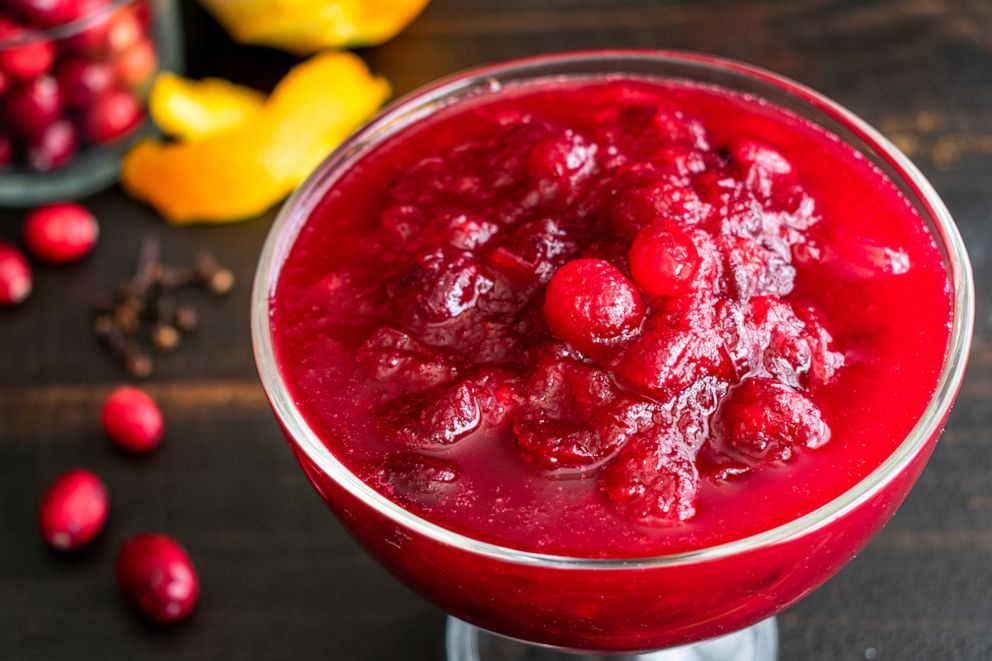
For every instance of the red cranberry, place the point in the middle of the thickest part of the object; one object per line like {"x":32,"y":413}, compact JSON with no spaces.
{"x":591,"y":305}
{"x":654,"y":479}
{"x":752,"y":153}
{"x":5,"y":82}
{"x":73,"y":510}
{"x":414,"y":476}
{"x":33,"y":106}
{"x":91,"y":39}
{"x":560,"y":157}
{"x":439,"y":288}
{"x":26,"y":60}
{"x":402,"y":364}
{"x":132,"y":420}
{"x":136,"y":65}
{"x":755,"y":270}
{"x":47,"y":13}
{"x":663,"y":260}
{"x":124,"y":31}
{"x":113,"y":115}
{"x":763,"y":421}
{"x":82,"y":81}
{"x":54,"y":147}
{"x":15,"y":275}
{"x":157,"y":576}
{"x":60,"y":233}
{"x":641,"y":195}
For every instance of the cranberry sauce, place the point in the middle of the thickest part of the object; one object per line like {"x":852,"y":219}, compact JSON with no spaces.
{"x":612,"y":318}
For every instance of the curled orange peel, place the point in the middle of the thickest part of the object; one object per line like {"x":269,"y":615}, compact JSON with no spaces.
{"x":242,"y":170}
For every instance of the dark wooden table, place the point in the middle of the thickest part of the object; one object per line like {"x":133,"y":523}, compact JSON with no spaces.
{"x":281,"y":580}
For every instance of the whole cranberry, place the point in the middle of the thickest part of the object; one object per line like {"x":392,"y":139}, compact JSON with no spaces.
{"x":113,"y":115}
{"x":663,"y":260}
{"x":82,"y":80}
{"x":60,"y":233}
{"x":33,"y":106}
{"x":92,"y":38}
{"x":132,"y":420}
{"x":54,"y":147}
{"x":73,"y":510}
{"x":590,"y":304}
{"x":31,"y":55}
{"x":157,"y":577}
{"x":15,"y":275}
{"x":47,"y":13}
{"x":124,"y":30}
{"x":136,"y":65}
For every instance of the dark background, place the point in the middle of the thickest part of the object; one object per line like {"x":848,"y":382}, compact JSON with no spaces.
{"x":280,"y":579}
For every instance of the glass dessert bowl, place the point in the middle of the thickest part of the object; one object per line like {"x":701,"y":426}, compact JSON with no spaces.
{"x":595,"y":590}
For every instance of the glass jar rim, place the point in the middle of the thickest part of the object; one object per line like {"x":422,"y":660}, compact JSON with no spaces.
{"x":64,"y":30}
{"x":393,"y":116}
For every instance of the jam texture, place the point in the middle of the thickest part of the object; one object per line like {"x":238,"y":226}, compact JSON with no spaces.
{"x":612,"y":317}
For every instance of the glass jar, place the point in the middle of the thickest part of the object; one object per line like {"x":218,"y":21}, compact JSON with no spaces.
{"x":74,"y":80}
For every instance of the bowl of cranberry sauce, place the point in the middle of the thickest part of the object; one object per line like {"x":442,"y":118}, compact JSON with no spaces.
{"x":74,"y":78}
{"x":613,"y":351}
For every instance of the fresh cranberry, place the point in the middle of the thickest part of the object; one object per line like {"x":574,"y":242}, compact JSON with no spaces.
{"x":33,"y":106}
{"x":82,"y":81}
{"x":60,"y":233}
{"x":436,"y":418}
{"x":30,"y":57}
{"x":663,"y":260}
{"x":573,"y":415}
{"x":591,"y":305}
{"x":73,"y":510}
{"x":402,"y":364}
{"x":765,"y":421}
{"x":124,"y":31}
{"x":415,"y":476}
{"x":47,"y":13}
{"x":132,"y":420}
{"x":157,"y":576}
{"x":654,"y":479}
{"x":15,"y":275}
{"x":136,"y":65}
{"x":112,"y":116}
{"x":54,"y":147}
{"x":92,"y":38}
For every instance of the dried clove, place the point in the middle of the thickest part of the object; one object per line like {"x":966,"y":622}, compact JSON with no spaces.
{"x":144,"y":309}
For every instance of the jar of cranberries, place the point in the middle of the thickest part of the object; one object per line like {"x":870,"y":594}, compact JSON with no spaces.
{"x":74,"y":78}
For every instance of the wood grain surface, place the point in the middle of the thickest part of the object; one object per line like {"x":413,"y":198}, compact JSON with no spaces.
{"x":281,"y":580}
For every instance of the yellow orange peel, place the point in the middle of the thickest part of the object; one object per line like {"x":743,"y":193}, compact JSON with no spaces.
{"x":306,"y":26}
{"x":194,"y":109}
{"x":243,"y":169}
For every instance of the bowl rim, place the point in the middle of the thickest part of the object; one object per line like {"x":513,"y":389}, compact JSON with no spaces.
{"x":929,"y":423}
{"x":32,"y":35}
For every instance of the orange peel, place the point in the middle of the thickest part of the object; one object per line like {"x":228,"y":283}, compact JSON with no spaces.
{"x":243,"y":170}
{"x":307,"y":26}
{"x":194,"y":109}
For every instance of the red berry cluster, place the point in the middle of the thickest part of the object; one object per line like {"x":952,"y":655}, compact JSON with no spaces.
{"x":154,"y":572}
{"x":56,"y":234}
{"x":81,"y":86}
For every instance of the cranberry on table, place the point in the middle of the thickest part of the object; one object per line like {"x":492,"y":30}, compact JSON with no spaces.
{"x":132,"y":420}
{"x":15,"y":275}
{"x":591,"y":305}
{"x":55,"y":146}
{"x":60,"y":233}
{"x":111,"y":116}
{"x":26,"y":60}
{"x":83,"y":80}
{"x":31,"y":107}
{"x":73,"y":510}
{"x":663,"y":260}
{"x":157,"y":577}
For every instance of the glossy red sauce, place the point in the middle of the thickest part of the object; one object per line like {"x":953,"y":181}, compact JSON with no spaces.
{"x":612,"y":318}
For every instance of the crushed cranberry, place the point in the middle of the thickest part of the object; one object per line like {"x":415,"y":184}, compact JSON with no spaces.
{"x":414,"y":476}
{"x":402,"y":364}
{"x":436,"y":418}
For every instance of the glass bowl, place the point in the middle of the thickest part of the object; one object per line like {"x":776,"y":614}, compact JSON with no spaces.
{"x":73,"y":94}
{"x":617,"y":606}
